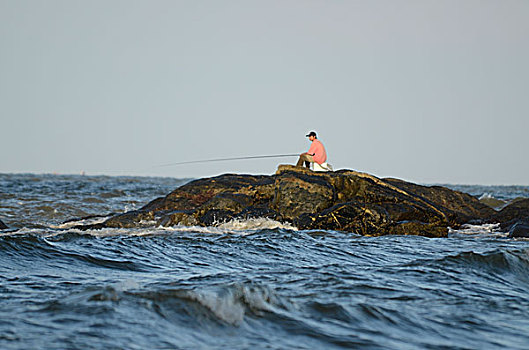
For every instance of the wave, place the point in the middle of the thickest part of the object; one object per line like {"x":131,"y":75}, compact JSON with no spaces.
{"x":50,"y":248}
{"x":228,"y":304}
{"x":88,"y":220}
{"x":236,"y":226}
{"x":231,"y":303}
{"x":515,"y":261}
{"x":150,"y":228}
{"x":484,"y":229}
{"x":500,"y":268}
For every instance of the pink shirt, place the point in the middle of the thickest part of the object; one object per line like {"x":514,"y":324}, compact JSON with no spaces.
{"x":317,"y":151}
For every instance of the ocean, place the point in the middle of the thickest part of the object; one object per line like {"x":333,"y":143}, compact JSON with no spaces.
{"x":255,"y":284}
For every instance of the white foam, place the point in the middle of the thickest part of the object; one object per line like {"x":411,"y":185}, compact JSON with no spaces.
{"x":237,"y":227}
{"x":193,"y":229}
{"x":232,"y":303}
{"x":110,"y":232}
{"x":486,"y":195}
{"x":484,"y":229}
{"x":21,"y":231}
{"x":255,"y":224}
{"x":91,"y":221}
{"x":226,"y":307}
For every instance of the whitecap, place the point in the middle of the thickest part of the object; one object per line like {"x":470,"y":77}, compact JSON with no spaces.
{"x":483,"y":229}
{"x":236,"y":226}
{"x":231,"y":303}
{"x":486,"y":195}
{"x":81,"y":222}
{"x":255,"y":224}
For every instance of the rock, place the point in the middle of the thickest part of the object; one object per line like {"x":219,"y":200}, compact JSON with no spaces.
{"x":518,"y":208}
{"x":461,"y":207}
{"x":2,"y":225}
{"x":343,"y":200}
{"x":516,"y":211}
{"x":494,"y":203}
{"x":519,"y":229}
{"x":178,"y":217}
{"x":353,"y":216}
{"x":196,"y":193}
{"x":298,"y":193}
{"x":131,"y":219}
{"x":222,"y":208}
{"x":257,"y":212}
{"x":378,"y":219}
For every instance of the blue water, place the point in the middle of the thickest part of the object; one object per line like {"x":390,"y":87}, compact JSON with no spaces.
{"x":255,"y":284}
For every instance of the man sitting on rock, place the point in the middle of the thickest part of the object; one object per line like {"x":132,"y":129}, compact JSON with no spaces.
{"x":315,"y":154}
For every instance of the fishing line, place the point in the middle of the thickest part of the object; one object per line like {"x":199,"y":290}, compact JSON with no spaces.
{"x":203,"y":161}
{"x":227,"y":159}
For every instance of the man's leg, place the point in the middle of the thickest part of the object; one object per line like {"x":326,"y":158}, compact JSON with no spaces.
{"x":305,"y":158}
{"x":300,"y":160}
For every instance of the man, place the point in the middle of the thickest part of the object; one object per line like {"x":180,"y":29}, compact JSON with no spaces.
{"x":315,"y":154}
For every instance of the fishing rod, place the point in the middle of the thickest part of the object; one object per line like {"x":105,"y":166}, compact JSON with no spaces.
{"x":228,"y":159}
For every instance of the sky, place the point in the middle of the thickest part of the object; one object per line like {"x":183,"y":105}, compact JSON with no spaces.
{"x":429,"y":91}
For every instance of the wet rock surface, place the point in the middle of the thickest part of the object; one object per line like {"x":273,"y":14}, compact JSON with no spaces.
{"x":520,"y":229}
{"x":343,"y":200}
{"x":514,"y":218}
{"x":494,"y":203}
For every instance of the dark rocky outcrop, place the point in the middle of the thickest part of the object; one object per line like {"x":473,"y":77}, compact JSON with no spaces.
{"x":494,"y":203}
{"x":2,"y":225}
{"x":343,"y":200}
{"x":518,"y":209}
{"x":514,"y":218}
{"x":520,"y":229}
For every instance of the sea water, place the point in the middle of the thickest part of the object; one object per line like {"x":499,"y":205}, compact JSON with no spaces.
{"x":245,"y":284}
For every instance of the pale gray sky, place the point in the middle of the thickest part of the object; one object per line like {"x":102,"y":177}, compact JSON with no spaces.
{"x":429,"y":91}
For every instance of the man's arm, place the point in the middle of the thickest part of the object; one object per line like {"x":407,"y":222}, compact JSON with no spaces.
{"x":312,"y":149}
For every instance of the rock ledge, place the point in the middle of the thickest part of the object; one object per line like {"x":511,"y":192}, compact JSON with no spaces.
{"x":343,"y":200}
